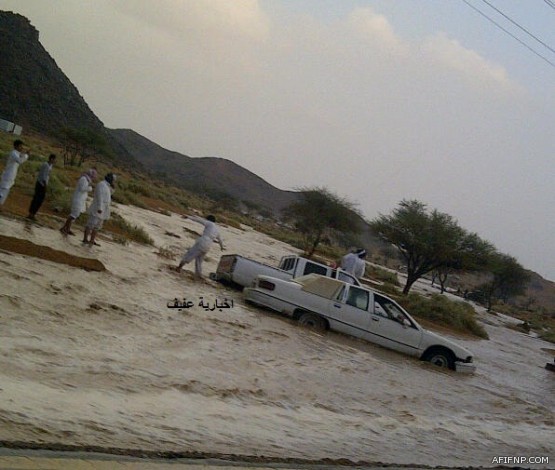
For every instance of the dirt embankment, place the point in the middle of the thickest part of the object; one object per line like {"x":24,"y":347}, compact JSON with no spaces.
{"x":27,"y":248}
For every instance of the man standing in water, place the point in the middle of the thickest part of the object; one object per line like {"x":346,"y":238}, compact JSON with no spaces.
{"x":99,"y":211}
{"x":198,"y":251}
{"x":15,"y":158}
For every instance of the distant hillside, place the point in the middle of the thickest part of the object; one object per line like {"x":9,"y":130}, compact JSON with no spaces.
{"x":209,"y":175}
{"x":542,"y":290}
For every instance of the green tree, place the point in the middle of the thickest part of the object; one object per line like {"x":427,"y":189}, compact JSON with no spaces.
{"x":80,"y":145}
{"x":472,"y":254}
{"x":508,"y":279}
{"x":320,"y":213}
{"x":429,"y":241}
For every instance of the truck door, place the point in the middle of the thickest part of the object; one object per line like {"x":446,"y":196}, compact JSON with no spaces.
{"x":397,"y":331}
{"x":350,"y":311}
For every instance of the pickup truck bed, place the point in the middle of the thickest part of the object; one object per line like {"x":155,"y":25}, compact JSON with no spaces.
{"x":241,"y":272}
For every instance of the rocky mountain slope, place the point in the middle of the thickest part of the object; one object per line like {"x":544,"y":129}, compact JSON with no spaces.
{"x":209,"y":175}
{"x":34,"y":92}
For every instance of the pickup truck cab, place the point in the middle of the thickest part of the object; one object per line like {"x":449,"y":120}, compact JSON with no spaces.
{"x":242,"y":272}
{"x":325,"y":303}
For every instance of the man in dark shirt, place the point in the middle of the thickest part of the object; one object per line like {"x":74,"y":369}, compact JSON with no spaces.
{"x":40,"y":186}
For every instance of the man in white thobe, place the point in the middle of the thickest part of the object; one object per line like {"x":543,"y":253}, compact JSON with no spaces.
{"x":99,"y":211}
{"x":198,"y":251}
{"x":15,"y":158}
{"x":79,"y":199}
{"x":354,"y":263}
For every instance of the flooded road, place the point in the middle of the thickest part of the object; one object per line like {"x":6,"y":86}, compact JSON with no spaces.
{"x":97,"y":358}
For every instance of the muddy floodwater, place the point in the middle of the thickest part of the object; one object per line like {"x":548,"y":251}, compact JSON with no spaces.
{"x":98,"y":359}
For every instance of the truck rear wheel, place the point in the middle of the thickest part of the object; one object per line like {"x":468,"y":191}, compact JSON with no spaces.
{"x":313,"y":321}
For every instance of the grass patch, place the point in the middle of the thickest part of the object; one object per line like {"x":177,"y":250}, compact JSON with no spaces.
{"x":387,"y":289}
{"x":129,"y":231}
{"x":383,"y":275}
{"x":541,"y":322}
{"x":283,"y":235}
{"x":121,"y":240}
{"x":442,"y":311}
{"x":548,"y":336}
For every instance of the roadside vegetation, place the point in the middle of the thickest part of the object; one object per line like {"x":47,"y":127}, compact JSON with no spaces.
{"x":538,"y":321}
{"x":438,"y":309}
{"x":383,"y":275}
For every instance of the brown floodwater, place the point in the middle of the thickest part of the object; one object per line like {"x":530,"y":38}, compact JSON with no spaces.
{"x":97,"y":358}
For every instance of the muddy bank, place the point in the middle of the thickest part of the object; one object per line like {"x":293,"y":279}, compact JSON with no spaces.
{"x":27,"y":248}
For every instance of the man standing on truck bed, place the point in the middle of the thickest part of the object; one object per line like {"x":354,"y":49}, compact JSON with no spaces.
{"x":198,"y":251}
{"x":354,"y":263}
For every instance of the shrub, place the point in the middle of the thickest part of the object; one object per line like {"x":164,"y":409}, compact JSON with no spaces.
{"x":383,"y":275}
{"x":121,"y":240}
{"x":134,"y":200}
{"x":388,"y":289}
{"x":166,"y":253}
{"x":139,"y":188}
{"x":439,"y":309}
{"x":131,"y":232}
{"x":548,"y":336}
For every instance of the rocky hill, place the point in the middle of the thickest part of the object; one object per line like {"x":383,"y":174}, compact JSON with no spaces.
{"x":34,"y":92}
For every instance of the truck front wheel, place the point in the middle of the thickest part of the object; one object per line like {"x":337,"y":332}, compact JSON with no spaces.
{"x":313,"y":321}
{"x":441,"y":357}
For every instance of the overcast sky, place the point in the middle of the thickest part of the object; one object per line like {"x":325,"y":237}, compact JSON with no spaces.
{"x":377,"y":100}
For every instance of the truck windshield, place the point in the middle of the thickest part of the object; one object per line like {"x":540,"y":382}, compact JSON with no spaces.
{"x":389,"y":309}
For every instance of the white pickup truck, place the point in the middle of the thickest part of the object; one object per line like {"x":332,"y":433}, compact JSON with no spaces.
{"x":328,"y":304}
{"x":240,"y":271}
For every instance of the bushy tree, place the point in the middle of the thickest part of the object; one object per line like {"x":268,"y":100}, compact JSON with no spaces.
{"x":320,"y":213}
{"x":80,"y":145}
{"x":472,"y":254}
{"x":429,"y":241}
{"x":508,"y":279}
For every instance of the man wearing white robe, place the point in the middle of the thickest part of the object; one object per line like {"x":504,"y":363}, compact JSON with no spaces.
{"x":15,"y":158}
{"x":354,"y":263}
{"x":99,"y":211}
{"x":79,"y":199}
{"x":348,"y":261}
{"x":198,"y":251}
